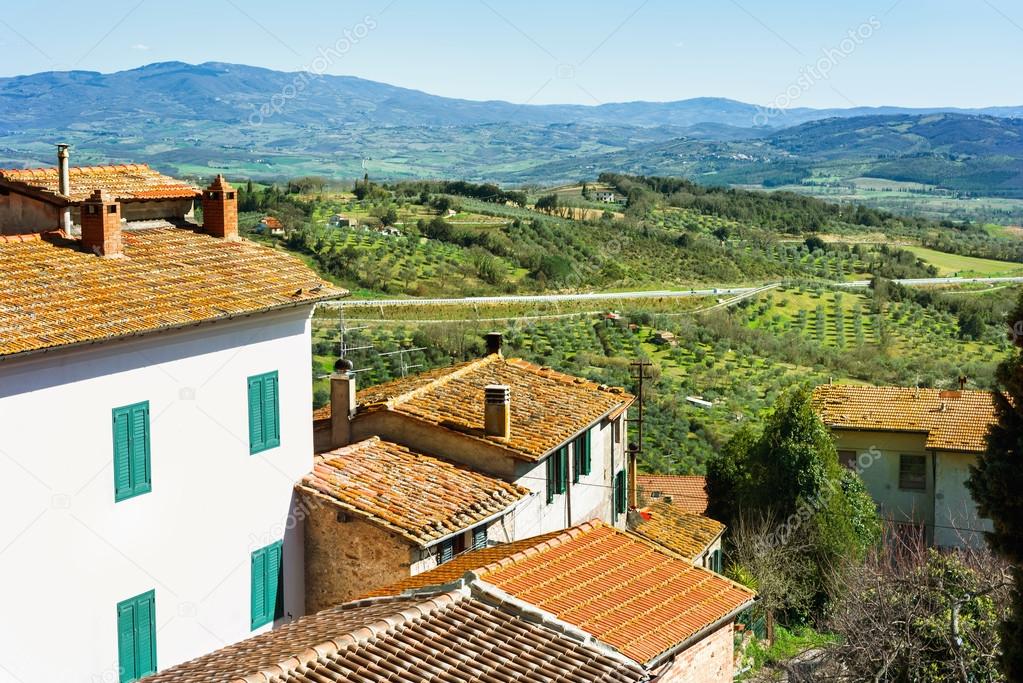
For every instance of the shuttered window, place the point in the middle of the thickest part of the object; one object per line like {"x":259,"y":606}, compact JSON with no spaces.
{"x":267,"y":599}
{"x":132,"y":475}
{"x":621,"y":496}
{"x":264,"y":413}
{"x":479,"y":537}
{"x":557,"y":473}
{"x":581,"y":460}
{"x":136,"y":637}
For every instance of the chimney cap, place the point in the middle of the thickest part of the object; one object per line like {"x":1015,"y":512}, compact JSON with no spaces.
{"x":62,"y":146}
{"x":343,"y":366}
{"x":220,"y":183}
{"x":494,"y":342}
{"x":99,"y":196}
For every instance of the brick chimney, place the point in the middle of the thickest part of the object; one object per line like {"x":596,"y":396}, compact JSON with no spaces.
{"x":101,"y":224}
{"x":497,"y":410}
{"x":342,"y":403}
{"x":220,"y":209}
{"x":494,"y":342}
{"x":64,"y":185}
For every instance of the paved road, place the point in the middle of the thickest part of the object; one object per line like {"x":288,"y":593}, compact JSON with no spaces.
{"x":662,"y":294}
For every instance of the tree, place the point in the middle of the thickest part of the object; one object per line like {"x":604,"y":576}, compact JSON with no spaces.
{"x":815,"y":243}
{"x":789,"y":475}
{"x":910,"y":613}
{"x":547,"y":203}
{"x":995,"y":483}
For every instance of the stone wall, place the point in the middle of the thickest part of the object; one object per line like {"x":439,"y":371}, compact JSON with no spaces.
{"x":344,"y":560}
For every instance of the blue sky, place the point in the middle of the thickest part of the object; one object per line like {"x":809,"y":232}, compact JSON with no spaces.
{"x":908,"y":52}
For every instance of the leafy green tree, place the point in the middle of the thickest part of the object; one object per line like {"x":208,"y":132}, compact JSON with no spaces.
{"x":996,"y":482}
{"x":790,"y":474}
{"x":547,"y":203}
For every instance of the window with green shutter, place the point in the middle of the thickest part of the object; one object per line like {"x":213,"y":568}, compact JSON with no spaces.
{"x":267,"y":597}
{"x":552,"y":477}
{"x":479,"y":537}
{"x":136,"y":637}
{"x":132,"y":474}
{"x":581,"y":461}
{"x":562,"y":475}
{"x":264,"y":413}
{"x":621,"y":498}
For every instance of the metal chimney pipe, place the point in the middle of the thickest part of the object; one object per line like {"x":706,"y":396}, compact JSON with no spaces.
{"x":64,"y":186}
{"x":64,"y":170}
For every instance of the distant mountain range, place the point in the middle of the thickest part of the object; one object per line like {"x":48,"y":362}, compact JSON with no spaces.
{"x":198,"y":119}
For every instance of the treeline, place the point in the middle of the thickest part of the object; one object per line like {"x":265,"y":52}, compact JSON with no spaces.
{"x":785,"y":212}
{"x":486,"y":192}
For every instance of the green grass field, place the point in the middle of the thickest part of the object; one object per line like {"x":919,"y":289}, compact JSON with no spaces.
{"x":966,"y":266}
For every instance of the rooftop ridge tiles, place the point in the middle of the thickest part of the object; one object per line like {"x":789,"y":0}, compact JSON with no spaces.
{"x":357,"y":636}
{"x":440,"y":380}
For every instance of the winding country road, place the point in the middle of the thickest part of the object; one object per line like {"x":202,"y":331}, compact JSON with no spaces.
{"x":659,"y":294}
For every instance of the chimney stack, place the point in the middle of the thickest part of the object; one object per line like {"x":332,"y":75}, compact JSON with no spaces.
{"x":497,"y":414}
{"x":101,"y":225}
{"x":64,"y":185}
{"x":342,"y":403}
{"x":494,"y":342}
{"x":220,"y":209}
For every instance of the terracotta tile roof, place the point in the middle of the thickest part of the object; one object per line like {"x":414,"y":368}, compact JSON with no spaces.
{"x":443,"y":638}
{"x":455,"y":569}
{"x":686,"y":533}
{"x":122,"y":181}
{"x":952,"y":420}
{"x":421,"y":497}
{"x":271,"y":222}
{"x":687,"y":493}
{"x":634,"y":595}
{"x":547,"y":407}
{"x":55,"y":295}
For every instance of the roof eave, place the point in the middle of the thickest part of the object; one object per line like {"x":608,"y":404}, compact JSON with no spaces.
{"x":171,"y":328}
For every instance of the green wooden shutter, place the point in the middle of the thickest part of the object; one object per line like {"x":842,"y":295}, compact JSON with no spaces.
{"x":126,"y":641}
{"x":136,"y":637}
{"x":562,"y":469}
{"x":145,"y":633}
{"x":479,"y":537}
{"x":266,"y":600}
{"x":620,"y":495}
{"x":122,"y":455}
{"x":587,"y":460}
{"x":552,"y":475}
{"x":577,"y":460}
{"x":447,"y":551}
{"x":258,"y":592}
{"x":274,"y":599}
{"x":264,"y":412}
{"x":271,"y":412}
{"x":132,"y":473}
{"x":140,"y":475}
{"x":256,"y":442}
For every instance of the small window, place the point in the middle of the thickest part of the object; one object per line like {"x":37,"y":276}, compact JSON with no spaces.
{"x":230,"y":195}
{"x":581,"y":461}
{"x":136,"y":637}
{"x":112,"y":208}
{"x":913,"y":472}
{"x":557,"y":473}
{"x":447,"y":550}
{"x":621,"y":494}
{"x":847,"y":459}
{"x":479,"y":537}
{"x":132,"y":472}
{"x":267,"y":598}
{"x":264,"y":413}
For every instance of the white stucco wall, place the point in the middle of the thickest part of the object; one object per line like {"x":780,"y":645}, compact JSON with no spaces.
{"x":69,"y":553}
{"x":586,"y":500}
{"x":956,"y":522}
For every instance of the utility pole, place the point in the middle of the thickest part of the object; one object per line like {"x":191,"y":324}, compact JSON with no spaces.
{"x":636,"y":448}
